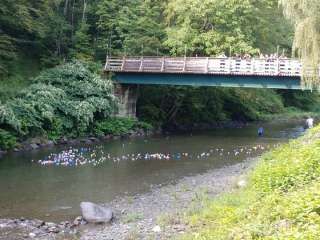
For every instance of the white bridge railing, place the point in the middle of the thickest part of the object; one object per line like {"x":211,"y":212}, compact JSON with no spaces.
{"x":201,"y":65}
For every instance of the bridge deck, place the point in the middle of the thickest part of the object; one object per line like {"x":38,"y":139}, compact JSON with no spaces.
{"x":202,"y":65}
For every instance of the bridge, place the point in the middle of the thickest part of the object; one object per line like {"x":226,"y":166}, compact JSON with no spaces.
{"x":196,"y":71}
{"x":278,"y":73}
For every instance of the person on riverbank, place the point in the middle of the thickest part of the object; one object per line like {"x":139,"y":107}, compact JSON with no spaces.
{"x":309,"y":123}
{"x":260,"y":131}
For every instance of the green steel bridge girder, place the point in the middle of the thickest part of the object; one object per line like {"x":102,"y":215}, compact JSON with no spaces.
{"x":198,"y":80}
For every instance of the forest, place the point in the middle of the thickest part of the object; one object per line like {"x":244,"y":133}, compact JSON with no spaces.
{"x":52,"y":52}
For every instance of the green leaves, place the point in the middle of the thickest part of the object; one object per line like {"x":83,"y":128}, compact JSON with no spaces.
{"x":7,"y":140}
{"x":68,"y":97}
{"x":119,"y":126}
{"x":131,"y":27}
{"x":209,"y":27}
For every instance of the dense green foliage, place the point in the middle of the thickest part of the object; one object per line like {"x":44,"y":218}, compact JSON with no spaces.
{"x":210,"y":27}
{"x":7,"y":140}
{"x":61,"y":101}
{"x":118,"y":126}
{"x":186,"y":106}
{"x":281,"y":200}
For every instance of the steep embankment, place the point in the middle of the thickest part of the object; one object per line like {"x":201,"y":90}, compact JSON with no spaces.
{"x":281,"y":200}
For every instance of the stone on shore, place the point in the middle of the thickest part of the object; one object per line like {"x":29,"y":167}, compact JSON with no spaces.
{"x":34,"y":146}
{"x":156,"y":229}
{"x":242,"y":183}
{"x":94,"y":213}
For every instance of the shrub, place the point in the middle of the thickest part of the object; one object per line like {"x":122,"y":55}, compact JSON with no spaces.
{"x":63,"y":100}
{"x":7,"y":140}
{"x":119,"y":126}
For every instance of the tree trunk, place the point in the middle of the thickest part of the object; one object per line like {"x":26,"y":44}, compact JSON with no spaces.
{"x":84,"y":11}
{"x":72,"y":23}
{"x":65,"y":11}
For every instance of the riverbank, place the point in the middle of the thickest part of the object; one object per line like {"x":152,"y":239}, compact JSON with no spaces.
{"x":126,"y":128}
{"x":147,"y":216}
{"x":291,"y":114}
{"x":281,"y":200}
{"x":158,"y":214}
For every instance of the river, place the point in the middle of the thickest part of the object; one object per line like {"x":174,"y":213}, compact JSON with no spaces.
{"x":121,"y":168}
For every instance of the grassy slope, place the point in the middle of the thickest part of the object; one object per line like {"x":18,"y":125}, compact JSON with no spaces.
{"x":281,"y":201}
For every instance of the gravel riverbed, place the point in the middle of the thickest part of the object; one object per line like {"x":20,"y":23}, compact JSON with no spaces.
{"x":158,"y":214}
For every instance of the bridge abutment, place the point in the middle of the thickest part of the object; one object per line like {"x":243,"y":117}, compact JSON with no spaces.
{"x":128,"y":96}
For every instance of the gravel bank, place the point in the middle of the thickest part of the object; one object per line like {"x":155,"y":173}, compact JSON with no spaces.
{"x":158,"y":214}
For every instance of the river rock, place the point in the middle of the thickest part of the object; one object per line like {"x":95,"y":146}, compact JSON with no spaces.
{"x":74,"y":142}
{"x":63,"y":141}
{"x":32,"y":235}
{"x":94,"y":139}
{"x":156,"y":229}
{"x":51,"y":224}
{"x":38,"y":223}
{"x":34,"y":146}
{"x":242,"y":183}
{"x":50,"y":143}
{"x":77,"y":221}
{"x":94,"y":213}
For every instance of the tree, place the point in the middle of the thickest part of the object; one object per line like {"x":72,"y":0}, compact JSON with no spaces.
{"x":272,"y":31}
{"x":131,"y":27}
{"x":20,"y":25}
{"x":209,"y":27}
{"x":83,"y":49}
{"x":145,"y":34}
{"x":305,"y":16}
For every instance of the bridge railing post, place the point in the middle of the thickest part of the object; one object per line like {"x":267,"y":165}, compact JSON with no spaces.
{"x":207,"y":65}
{"x":141,"y":65}
{"x":107,"y":63}
{"x":163,"y":63}
{"x":123,"y":63}
{"x":278,"y":67}
{"x":253,"y":63}
{"x":230,"y":65}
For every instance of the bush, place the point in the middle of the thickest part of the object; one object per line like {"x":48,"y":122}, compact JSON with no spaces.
{"x":64,"y":100}
{"x":119,"y":126}
{"x":7,"y":140}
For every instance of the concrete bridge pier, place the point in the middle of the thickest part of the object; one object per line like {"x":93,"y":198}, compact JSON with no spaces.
{"x":128,"y":96}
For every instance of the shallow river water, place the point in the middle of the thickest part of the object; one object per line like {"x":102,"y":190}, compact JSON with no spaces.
{"x":121,"y":168}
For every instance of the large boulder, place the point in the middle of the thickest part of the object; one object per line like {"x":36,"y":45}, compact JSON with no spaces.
{"x":94,"y":213}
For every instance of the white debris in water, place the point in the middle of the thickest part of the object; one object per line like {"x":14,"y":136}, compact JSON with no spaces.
{"x":77,"y":157}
